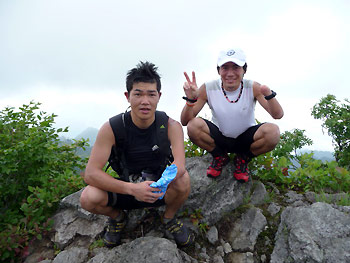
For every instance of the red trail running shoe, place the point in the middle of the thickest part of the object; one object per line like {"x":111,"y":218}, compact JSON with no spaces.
{"x":215,"y":168}
{"x":241,"y":172}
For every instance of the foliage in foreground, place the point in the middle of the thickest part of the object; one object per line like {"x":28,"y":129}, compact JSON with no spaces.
{"x":36,"y":172}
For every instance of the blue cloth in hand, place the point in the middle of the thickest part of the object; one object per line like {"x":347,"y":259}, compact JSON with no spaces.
{"x":168,"y":175}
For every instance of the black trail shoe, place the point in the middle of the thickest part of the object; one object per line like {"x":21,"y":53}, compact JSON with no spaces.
{"x":112,"y":236}
{"x":180,"y":232}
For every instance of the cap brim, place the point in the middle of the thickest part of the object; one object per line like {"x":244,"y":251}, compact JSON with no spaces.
{"x":236,"y":61}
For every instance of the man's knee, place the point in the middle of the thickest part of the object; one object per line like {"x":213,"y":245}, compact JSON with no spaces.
{"x":194,"y":127}
{"x":92,"y":197}
{"x":182,"y":185}
{"x":275,"y":134}
{"x":272,"y":135}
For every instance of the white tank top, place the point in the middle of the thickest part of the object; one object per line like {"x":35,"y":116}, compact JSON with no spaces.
{"x":232,"y":119}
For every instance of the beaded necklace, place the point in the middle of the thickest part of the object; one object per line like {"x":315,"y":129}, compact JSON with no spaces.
{"x":239,"y":96}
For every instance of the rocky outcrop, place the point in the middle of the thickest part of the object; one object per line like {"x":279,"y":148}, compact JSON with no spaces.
{"x":214,"y":197}
{"x":314,"y":233}
{"x":233,"y":222}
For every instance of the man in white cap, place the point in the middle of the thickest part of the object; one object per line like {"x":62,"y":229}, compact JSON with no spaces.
{"x":233,"y":128}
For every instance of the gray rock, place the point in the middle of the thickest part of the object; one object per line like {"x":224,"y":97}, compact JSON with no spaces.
{"x":220,"y":251}
{"x":227,"y":248}
{"x":246,"y":230}
{"x":240,"y":258}
{"x":76,"y":255}
{"x":67,"y":225}
{"x":204,"y":256}
{"x":186,"y":258}
{"x":292,"y":197}
{"x":141,"y":250}
{"x":259,"y":194}
{"x":214,"y":196}
{"x":310,"y":197}
{"x":217,"y":259}
{"x":273,"y":209}
{"x":317,"y":233}
{"x":71,"y":201}
{"x":212,"y":235}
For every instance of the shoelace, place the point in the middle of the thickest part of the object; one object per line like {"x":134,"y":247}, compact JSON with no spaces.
{"x":116,"y":227}
{"x":218,"y":162}
{"x":175,"y":227}
{"x":241,"y":165}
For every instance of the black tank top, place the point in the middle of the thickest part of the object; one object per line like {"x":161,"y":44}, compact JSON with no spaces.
{"x":139,"y":154}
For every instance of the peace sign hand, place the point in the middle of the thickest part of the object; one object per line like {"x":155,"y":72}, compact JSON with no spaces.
{"x":190,"y":87}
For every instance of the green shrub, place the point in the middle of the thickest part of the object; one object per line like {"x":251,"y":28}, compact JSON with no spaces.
{"x":192,"y":150}
{"x":36,"y":171}
{"x":336,"y":120}
{"x":311,"y":175}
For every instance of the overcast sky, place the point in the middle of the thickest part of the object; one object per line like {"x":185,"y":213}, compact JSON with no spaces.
{"x":73,"y":56}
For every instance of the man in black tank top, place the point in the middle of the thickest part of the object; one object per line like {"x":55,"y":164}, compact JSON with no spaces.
{"x":108,"y":196}
{"x":139,"y":155}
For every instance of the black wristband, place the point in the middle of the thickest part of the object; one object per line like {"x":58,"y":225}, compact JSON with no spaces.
{"x":190,"y":100}
{"x":272,"y":95}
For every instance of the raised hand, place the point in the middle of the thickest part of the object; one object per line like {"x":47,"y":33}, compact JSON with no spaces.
{"x":190,"y":87}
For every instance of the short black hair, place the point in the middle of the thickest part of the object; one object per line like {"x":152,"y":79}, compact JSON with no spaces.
{"x":245,"y":66}
{"x":143,"y":72}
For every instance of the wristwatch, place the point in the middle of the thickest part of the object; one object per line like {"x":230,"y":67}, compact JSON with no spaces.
{"x":190,"y":100}
{"x":272,"y":95}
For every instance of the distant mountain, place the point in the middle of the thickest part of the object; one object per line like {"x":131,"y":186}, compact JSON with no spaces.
{"x":89,"y":133}
{"x":324,"y":156}
{"x":321,"y":155}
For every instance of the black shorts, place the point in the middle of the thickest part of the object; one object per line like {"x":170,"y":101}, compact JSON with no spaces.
{"x":240,"y":145}
{"x":128,"y":202}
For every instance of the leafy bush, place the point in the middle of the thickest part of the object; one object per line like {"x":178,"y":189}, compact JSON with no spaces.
{"x":36,"y":171}
{"x":285,"y":167}
{"x":192,"y":150}
{"x":336,"y":120}
{"x":290,"y":142}
{"x":311,"y":175}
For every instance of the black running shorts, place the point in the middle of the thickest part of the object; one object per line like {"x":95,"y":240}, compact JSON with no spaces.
{"x":240,"y":145}
{"x":128,"y":202}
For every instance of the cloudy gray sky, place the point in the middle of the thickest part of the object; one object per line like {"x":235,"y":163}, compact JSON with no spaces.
{"x":72,"y":56}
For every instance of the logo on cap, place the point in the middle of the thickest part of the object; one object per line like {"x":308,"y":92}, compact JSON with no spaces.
{"x":230,"y":53}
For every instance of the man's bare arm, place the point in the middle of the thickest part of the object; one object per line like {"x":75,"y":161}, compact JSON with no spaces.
{"x":272,"y":106}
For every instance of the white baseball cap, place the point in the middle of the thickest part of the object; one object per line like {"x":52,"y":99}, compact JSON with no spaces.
{"x":235,"y":55}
